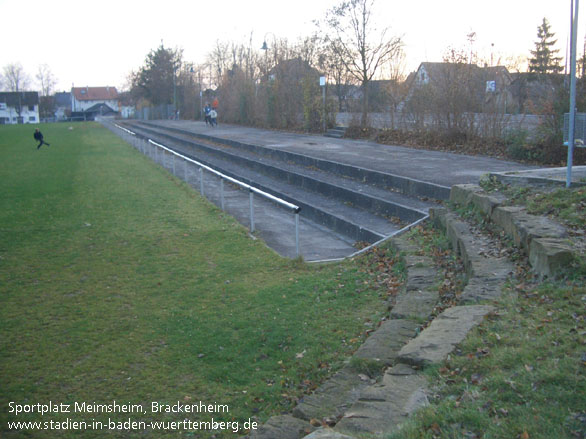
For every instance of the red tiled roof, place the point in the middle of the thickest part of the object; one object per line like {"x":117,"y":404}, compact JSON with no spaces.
{"x":95,"y":93}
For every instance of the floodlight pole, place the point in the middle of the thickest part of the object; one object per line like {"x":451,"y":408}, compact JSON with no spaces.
{"x":571,"y":134}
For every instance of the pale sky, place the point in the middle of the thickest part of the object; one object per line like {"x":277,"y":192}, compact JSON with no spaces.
{"x":99,"y":43}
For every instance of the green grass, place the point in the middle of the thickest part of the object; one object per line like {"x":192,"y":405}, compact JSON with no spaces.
{"x":119,"y":282}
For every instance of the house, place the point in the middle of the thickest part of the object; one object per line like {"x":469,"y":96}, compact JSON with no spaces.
{"x":19,"y":107}
{"x":62,"y":105}
{"x":89,"y":102}
{"x":482,"y":86}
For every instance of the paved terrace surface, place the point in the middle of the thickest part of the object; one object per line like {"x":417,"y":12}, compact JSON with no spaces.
{"x":437,"y":167}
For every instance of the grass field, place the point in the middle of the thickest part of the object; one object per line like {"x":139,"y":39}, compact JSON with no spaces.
{"x":118,"y":282}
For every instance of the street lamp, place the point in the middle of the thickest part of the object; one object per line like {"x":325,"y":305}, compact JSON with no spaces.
{"x":265,"y":47}
{"x":322,"y":83}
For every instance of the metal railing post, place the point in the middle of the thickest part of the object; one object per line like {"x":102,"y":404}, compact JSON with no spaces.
{"x":201,"y":180}
{"x":222,"y":193}
{"x":185,"y":171}
{"x":297,"y":234}
{"x":251,"y":198}
{"x":173,"y":163}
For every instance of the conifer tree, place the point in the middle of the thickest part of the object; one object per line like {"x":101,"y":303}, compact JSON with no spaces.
{"x":544,"y":59}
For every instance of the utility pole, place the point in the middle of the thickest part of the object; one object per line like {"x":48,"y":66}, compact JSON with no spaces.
{"x":574,"y":14}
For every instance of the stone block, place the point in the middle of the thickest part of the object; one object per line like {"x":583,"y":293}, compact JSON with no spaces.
{"x":382,"y":408}
{"x":486,"y":203}
{"x":461,"y":194}
{"x":503,"y":216}
{"x":481,"y":289}
{"x":440,"y":338}
{"x":384,"y":344}
{"x":416,"y":304}
{"x":529,"y":227}
{"x":548,"y":256}
{"x":437,"y":216}
{"x":333,"y":397}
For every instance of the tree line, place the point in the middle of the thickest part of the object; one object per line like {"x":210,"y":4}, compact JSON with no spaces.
{"x":277,"y":85}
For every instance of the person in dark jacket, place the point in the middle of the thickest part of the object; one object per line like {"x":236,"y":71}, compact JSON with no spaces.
{"x":39,"y":137}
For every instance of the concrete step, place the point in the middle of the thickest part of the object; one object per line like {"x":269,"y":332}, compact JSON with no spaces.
{"x":337,"y":132}
{"x":408,"y":186}
{"x":347,"y":206}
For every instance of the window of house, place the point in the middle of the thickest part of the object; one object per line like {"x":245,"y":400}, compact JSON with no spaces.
{"x":32,"y":119}
{"x":31,"y":108}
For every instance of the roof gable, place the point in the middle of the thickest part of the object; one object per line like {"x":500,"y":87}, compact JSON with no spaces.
{"x":15,"y":98}
{"x":95,"y":93}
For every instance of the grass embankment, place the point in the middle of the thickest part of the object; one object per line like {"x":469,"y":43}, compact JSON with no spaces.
{"x":120,"y":283}
{"x":522,"y":373}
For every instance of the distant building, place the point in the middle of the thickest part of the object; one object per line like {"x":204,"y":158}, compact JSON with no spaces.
{"x":62,"y":103}
{"x":89,"y":102}
{"x":488,"y":85}
{"x":19,"y":107}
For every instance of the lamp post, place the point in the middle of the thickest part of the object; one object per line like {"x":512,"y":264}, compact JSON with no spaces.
{"x":175,"y":90}
{"x":574,"y":15}
{"x":265,"y":47}
{"x":322,"y":83}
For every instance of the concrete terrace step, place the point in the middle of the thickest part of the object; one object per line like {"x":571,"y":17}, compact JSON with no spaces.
{"x":358,"y":224}
{"x":347,"y":206}
{"x":407,"y":185}
{"x":348,"y":190}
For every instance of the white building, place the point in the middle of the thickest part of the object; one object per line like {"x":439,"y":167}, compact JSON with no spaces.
{"x":94,"y":99}
{"x":19,"y":107}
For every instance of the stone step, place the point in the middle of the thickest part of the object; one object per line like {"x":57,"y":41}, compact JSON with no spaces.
{"x":485,"y":272}
{"x":381,"y":408}
{"x":334,"y":397}
{"x":384,"y":344}
{"x":543,"y":240}
{"x":446,"y":331}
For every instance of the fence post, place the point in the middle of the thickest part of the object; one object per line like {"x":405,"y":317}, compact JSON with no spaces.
{"x":185,"y":170}
{"x":297,"y":234}
{"x":222,"y":193}
{"x":201,"y":180}
{"x":251,"y":198}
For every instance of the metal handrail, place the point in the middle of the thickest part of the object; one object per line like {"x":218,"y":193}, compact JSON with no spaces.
{"x":252,"y":190}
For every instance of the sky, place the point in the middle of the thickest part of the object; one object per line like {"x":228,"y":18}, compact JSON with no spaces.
{"x":100,"y":43}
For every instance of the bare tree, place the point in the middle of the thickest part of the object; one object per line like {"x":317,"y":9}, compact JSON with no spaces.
{"x":362,"y":48}
{"x":46,"y":79}
{"x":15,"y":79}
